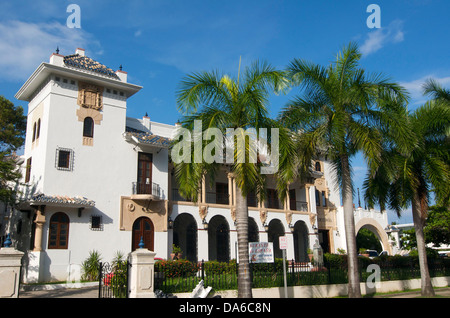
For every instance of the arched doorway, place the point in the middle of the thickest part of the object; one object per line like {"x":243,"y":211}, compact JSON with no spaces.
{"x":253,"y":232}
{"x":376,"y":229}
{"x":276,"y":229}
{"x":367,"y":239}
{"x":143,"y":228}
{"x":301,"y":242}
{"x":219,"y":239}
{"x":185,"y":236}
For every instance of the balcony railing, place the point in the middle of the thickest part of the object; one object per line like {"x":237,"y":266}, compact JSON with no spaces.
{"x":217,"y":198}
{"x":299,"y":206}
{"x":147,"y":188}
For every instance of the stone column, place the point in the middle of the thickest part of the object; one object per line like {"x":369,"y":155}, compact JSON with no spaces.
{"x":230,"y":189}
{"x":142,"y":274}
{"x":40,"y":221}
{"x":10,"y":263}
{"x":203,"y":200}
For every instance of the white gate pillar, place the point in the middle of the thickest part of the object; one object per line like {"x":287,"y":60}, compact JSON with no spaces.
{"x":142,"y":274}
{"x":10,"y":263}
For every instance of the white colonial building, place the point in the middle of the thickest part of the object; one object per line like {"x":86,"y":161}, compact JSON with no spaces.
{"x":99,"y":180}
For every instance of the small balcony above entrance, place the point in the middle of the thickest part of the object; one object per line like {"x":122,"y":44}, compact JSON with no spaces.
{"x":146,"y":191}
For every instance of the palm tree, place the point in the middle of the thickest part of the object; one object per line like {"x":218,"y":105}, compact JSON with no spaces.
{"x":343,"y":110}
{"x":405,"y":176}
{"x":222,"y":102}
{"x":441,"y":96}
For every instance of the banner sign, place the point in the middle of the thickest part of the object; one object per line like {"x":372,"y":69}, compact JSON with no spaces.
{"x":261,"y":252}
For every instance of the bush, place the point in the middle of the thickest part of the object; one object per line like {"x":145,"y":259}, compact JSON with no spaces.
{"x":218,"y":268}
{"x":335,"y":260}
{"x":90,"y":266}
{"x":177,"y":268}
{"x":277,"y":266}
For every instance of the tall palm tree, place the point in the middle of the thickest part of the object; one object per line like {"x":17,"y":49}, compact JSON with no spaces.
{"x":222,"y":102}
{"x":343,"y":110}
{"x":407,"y":176}
{"x":441,"y":96}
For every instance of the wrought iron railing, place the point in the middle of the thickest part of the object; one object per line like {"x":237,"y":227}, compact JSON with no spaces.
{"x":299,"y":206}
{"x":217,"y":198}
{"x":147,"y":188}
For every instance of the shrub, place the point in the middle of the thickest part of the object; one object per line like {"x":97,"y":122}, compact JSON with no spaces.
{"x":335,"y":260}
{"x":277,"y":266}
{"x":90,"y":266}
{"x":218,"y":268}
{"x":177,"y":268}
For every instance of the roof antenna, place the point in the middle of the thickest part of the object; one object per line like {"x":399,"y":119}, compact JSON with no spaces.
{"x":57,"y":50}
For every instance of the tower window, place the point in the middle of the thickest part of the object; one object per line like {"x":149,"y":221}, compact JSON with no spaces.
{"x":318,"y":167}
{"x":96,"y":223}
{"x":64,"y":159}
{"x":88,"y":127}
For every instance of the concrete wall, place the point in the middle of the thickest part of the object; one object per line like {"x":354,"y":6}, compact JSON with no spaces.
{"x":334,"y":290}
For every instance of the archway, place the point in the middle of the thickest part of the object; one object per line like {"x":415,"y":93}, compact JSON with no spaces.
{"x":301,"y":242}
{"x":375,"y":228}
{"x":185,"y":236}
{"x":276,"y":229}
{"x":143,"y":228}
{"x":219,"y":239}
{"x":253,"y":232}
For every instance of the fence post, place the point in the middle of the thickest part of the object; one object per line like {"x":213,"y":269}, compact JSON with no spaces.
{"x":10,"y":264}
{"x":293,"y":272}
{"x":100,"y":274}
{"x":203,"y":270}
{"x":142,"y":274}
{"x":328,"y":267}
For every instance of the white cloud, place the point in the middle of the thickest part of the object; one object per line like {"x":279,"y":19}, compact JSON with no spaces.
{"x":377,"y":39}
{"x":415,"y":87}
{"x":23,"y":46}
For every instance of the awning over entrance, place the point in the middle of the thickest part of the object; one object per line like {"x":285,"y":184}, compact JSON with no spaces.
{"x":60,"y":201}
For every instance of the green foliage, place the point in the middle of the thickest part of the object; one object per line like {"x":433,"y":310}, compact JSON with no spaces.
{"x":119,"y":277}
{"x":366,"y":239}
{"x":176,"y":249}
{"x":12,"y":126}
{"x":12,"y":136}
{"x":437,"y":228}
{"x":177,"y":268}
{"x":217,"y":268}
{"x":90,"y":266}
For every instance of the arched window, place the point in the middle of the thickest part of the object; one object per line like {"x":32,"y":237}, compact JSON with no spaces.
{"x":58,"y":235}
{"x":34,"y":132}
{"x":318,"y":168}
{"x":38,"y":129}
{"x":88,"y":127}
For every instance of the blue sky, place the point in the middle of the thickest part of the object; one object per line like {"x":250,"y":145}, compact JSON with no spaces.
{"x":160,"y":41}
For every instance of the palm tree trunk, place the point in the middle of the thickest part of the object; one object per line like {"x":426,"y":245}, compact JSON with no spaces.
{"x":354,"y":289}
{"x":419,"y":221}
{"x":244,"y":279}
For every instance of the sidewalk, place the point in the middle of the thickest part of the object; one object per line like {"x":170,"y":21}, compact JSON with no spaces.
{"x":440,"y":293}
{"x":86,"y":292}
{"x":92,"y":292}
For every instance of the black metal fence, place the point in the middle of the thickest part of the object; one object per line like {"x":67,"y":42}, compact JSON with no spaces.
{"x":224,"y":276}
{"x":113,"y":280}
